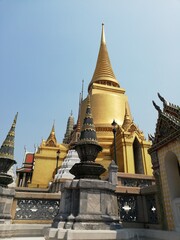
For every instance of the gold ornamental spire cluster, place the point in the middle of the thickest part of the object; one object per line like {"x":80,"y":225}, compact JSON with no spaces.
{"x":103,"y":73}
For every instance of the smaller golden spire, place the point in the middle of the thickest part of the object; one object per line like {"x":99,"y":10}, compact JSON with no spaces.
{"x":51,"y":141}
{"x":53,"y":129}
{"x":127,"y":120}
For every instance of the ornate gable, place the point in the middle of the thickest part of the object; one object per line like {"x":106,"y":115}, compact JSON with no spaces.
{"x":165,"y":128}
{"x":51,"y":141}
{"x":172,"y":109}
{"x":168,"y":124}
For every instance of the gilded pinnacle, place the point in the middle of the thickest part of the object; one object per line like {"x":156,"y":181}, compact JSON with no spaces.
{"x":51,"y":141}
{"x":103,"y":73}
{"x":103,"y":40}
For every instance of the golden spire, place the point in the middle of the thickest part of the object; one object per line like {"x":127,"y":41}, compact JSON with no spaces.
{"x":127,"y":120}
{"x":103,"y":40}
{"x":103,"y":73}
{"x":51,"y":141}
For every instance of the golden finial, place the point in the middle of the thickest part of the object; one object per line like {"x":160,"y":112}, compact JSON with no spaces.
{"x":103,"y":40}
{"x":53,"y":127}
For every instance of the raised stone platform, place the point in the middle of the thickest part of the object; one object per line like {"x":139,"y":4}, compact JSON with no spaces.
{"x":87,"y":204}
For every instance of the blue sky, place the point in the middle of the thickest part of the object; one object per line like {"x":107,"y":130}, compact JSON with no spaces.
{"x":47,"y":47}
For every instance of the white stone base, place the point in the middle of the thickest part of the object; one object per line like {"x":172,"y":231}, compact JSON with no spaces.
{"x":22,"y":230}
{"x":37,"y":231}
{"x":122,"y":234}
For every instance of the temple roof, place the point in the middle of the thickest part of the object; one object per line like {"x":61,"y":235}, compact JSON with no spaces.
{"x":170,"y":108}
{"x":28,"y":163}
{"x":168,"y":124}
{"x":103,"y":73}
{"x":7,"y":148}
{"x":51,"y":141}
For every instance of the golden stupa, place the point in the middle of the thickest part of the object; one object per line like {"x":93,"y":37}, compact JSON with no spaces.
{"x":108,"y":103}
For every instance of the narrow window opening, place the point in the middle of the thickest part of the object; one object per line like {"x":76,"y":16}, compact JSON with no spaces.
{"x":138,"y":162}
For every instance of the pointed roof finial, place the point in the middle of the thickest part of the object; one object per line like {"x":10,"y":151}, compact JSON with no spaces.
{"x":53,"y":128}
{"x":162,"y":99}
{"x":103,"y":40}
{"x":7,"y":148}
{"x":156,"y":107}
{"x":51,"y":141}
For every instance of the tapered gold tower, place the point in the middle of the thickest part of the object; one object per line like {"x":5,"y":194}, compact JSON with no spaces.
{"x":108,"y":102}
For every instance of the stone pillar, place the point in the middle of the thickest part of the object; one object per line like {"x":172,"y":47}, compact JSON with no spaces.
{"x":113,"y":169}
{"x":6,"y":200}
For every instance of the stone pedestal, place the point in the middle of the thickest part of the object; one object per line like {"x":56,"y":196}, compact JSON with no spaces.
{"x":86,"y":204}
{"x":113,"y":169}
{"x":6,"y":200}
